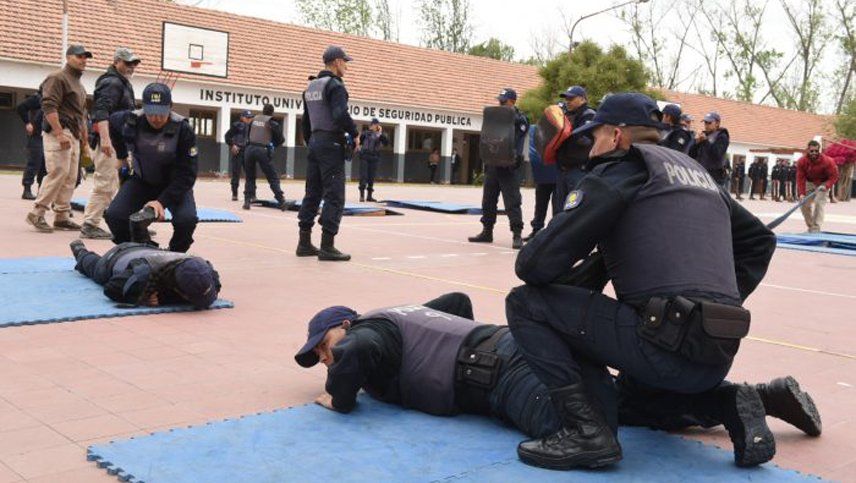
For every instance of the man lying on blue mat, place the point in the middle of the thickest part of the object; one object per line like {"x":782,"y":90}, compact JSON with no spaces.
{"x":434,"y":358}
{"x":139,"y":274}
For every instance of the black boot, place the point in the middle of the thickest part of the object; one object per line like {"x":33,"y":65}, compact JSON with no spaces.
{"x":284,"y":205}
{"x":305,"y":248}
{"x":77,"y":247}
{"x":234,"y":194}
{"x":370,"y":197}
{"x":140,"y":222}
{"x":362,"y":195}
{"x":516,"y":240}
{"x":741,"y":411}
{"x":246,"y":204}
{"x":531,"y":235}
{"x":28,"y":193}
{"x":486,"y":236}
{"x":783,"y":399}
{"x":328,"y":252}
{"x":585,"y":440}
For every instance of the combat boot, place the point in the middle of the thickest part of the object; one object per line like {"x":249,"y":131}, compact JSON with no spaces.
{"x":486,"y":236}
{"x":585,"y":440}
{"x":362,"y":195}
{"x":39,"y":223}
{"x":740,"y":409}
{"x":530,"y":236}
{"x":77,"y":247}
{"x":28,"y":193}
{"x":783,"y":399}
{"x":305,"y":248}
{"x":370,"y":197}
{"x":139,"y":223}
{"x":516,"y":240}
{"x":284,"y":205}
{"x":328,"y":252}
{"x":246,"y":204}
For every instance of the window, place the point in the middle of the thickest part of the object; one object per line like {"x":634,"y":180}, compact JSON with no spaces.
{"x":739,"y":158}
{"x":422,"y":140}
{"x":203,"y":123}
{"x":7,"y":100}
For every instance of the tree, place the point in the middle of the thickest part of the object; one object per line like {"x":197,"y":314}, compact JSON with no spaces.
{"x":845,"y":124}
{"x":544,"y":44}
{"x":846,"y":14}
{"x":387,"y":24}
{"x":710,"y":48}
{"x":812,"y":34}
{"x":346,"y":16}
{"x":493,"y":48}
{"x":589,"y":66}
{"x":446,"y":24}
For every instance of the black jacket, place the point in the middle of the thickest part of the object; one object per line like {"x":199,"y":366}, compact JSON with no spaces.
{"x":113,"y":92}
{"x":678,"y":139}
{"x":237,"y":134}
{"x":30,"y":112}
{"x":337,"y":97}
{"x":712,"y":155}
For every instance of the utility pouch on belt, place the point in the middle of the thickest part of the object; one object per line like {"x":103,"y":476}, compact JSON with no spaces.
{"x":479,"y":367}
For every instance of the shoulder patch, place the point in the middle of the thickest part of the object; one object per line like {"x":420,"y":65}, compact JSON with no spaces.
{"x":573,"y":200}
{"x":193,"y":151}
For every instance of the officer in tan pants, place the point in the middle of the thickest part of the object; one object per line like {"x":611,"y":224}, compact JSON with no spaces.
{"x":64,"y":104}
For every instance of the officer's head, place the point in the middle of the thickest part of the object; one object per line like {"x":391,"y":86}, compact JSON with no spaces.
{"x":76,"y":56}
{"x":711,"y":121}
{"x":507,"y":97}
{"x":813,"y":150}
{"x":247,"y":116}
{"x":375,"y":124}
{"x":575,"y":97}
{"x":671,"y":114}
{"x":157,"y":103}
{"x":336,"y":60}
{"x":267,"y":110}
{"x":326,"y":329}
{"x":197,"y":282}
{"x":686,"y":121}
{"x":623,"y":119}
{"x":125,"y":61}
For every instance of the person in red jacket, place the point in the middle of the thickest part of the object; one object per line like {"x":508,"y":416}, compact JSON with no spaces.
{"x":843,"y":152}
{"x":817,"y":172}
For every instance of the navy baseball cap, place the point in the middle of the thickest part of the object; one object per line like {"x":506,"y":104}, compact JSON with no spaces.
{"x":507,"y":94}
{"x":686,"y":117}
{"x":78,"y":49}
{"x":334,"y":52}
{"x":712,"y":116}
{"x":625,"y":109}
{"x":673,"y":110}
{"x":157,"y":99}
{"x":375,"y":120}
{"x":197,"y":282}
{"x":248,"y":113}
{"x":574,"y":91}
{"x":320,"y":324}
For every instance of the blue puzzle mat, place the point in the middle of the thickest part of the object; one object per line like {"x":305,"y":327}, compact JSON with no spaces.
{"x":823,"y":242}
{"x":204,"y":214}
{"x":351,"y":209}
{"x":24,"y":282}
{"x":384,"y":443}
{"x":438,"y":206}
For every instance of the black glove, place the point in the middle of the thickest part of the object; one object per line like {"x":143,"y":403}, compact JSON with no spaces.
{"x":589,"y":274}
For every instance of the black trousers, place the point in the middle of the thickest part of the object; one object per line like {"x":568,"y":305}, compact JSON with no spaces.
{"x":368,"y":171}
{"x":433,"y":169}
{"x":35,"y":168}
{"x":545,"y":194}
{"x":566,"y":181}
{"x":93,"y":266}
{"x":133,"y":195}
{"x":258,"y":155}
{"x":236,"y":165}
{"x":325,"y":180}
{"x":507,"y":182}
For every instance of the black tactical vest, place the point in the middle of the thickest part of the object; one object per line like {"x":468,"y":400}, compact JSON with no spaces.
{"x":260,"y":130}
{"x":675,"y":236}
{"x":320,"y":116}
{"x":155,"y":257}
{"x":154,"y":153}
{"x":371,"y":144}
{"x":430,"y":343}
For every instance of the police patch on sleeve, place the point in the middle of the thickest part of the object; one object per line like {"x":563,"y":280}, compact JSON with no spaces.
{"x":193,"y":151}
{"x":573,"y":200}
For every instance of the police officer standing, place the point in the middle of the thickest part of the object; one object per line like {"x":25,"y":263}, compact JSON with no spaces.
{"x":236,"y":139}
{"x":264,"y":134}
{"x":677,"y":320}
{"x":572,"y":155}
{"x":675,"y":136}
{"x":326,"y":122}
{"x":710,"y":147}
{"x":544,"y":176}
{"x":369,"y":144}
{"x":505,"y":180}
{"x":30,"y":111}
{"x":162,"y":150}
{"x":113,"y":93}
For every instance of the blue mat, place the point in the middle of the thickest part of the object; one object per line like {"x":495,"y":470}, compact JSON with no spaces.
{"x":384,"y":443}
{"x":438,"y":206}
{"x":823,"y":242}
{"x":204,"y":214}
{"x":71,"y":296}
{"x":351,"y":209}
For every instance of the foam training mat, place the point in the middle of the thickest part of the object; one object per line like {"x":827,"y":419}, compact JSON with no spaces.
{"x":438,"y":206}
{"x":209,"y":215}
{"x":24,"y":283}
{"x":351,"y":209}
{"x":379,"y":442}
{"x":823,"y":242}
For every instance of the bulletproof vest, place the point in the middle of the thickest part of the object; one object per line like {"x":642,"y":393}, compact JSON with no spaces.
{"x":155,"y":257}
{"x":675,"y":237}
{"x":154,"y":153}
{"x":317,"y":104}
{"x":371,"y":144}
{"x":260,"y":130}
{"x":430,"y":342}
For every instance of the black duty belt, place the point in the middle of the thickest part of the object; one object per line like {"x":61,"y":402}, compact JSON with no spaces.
{"x":476,"y":373}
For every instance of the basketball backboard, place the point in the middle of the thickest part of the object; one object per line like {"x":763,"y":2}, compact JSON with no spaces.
{"x":194,"y":50}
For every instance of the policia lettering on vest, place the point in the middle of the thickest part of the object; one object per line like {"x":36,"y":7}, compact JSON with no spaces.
{"x":264,"y":134}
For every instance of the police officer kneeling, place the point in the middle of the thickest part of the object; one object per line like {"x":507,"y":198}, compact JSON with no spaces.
{"x":162,"y":148}
{"x":681,"y":255}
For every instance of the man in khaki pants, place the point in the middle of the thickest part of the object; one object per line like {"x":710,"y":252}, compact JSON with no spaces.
{"x":113,"y":93}
{"x":64,"y":104}
{"x":815,"y":171}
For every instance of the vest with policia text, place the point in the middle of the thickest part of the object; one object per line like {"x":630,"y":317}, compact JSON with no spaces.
{"x":320,"y":116}
{"x":153,"y":152}
{"x":260,"y":130}
{"x":371,"y":145}
{"x":674,"y":238}
{"x":430,"y":343}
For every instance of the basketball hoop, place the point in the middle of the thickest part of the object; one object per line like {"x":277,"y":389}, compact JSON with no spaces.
{"x":197,"y":64}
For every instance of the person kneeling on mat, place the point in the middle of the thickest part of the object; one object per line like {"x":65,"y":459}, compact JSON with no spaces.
{"x":139,"y":274}
{"x":436,"y":359}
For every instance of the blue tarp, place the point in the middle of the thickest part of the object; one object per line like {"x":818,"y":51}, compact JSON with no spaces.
{"x":438,"y":206}
{"x":823,"y":242}
{"x":204,"y":214}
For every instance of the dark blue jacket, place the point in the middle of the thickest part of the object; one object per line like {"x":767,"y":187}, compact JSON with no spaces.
{"x":30,"y":111}
{"x":541,"y":173}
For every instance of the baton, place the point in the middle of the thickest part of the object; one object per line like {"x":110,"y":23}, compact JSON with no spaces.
{"x":778,"y":221}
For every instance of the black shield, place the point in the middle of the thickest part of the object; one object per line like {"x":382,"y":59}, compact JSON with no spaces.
{"x":496,"y":147}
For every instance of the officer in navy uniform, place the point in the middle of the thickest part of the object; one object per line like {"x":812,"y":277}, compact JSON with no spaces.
{"x":236,"y":139}
{"x":677,"y":321}
{"x":30,"y":111}
{"x":505,"y":180}
{"x":264,"y":134}
{"x":161,"y":148}
{"x":326,"y":122}
{"x":674,"y":135}
{"x":572,"y":155}
{"x":369,"y":145}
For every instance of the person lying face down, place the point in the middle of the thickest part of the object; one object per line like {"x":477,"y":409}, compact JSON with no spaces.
{"x":139,"y":274}
{"x":435,"y":359}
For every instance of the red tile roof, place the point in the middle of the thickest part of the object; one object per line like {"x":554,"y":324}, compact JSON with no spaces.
{"x":263,"y":54}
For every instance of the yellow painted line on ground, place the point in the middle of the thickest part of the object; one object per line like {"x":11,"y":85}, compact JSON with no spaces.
{"x":504,"y":292}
